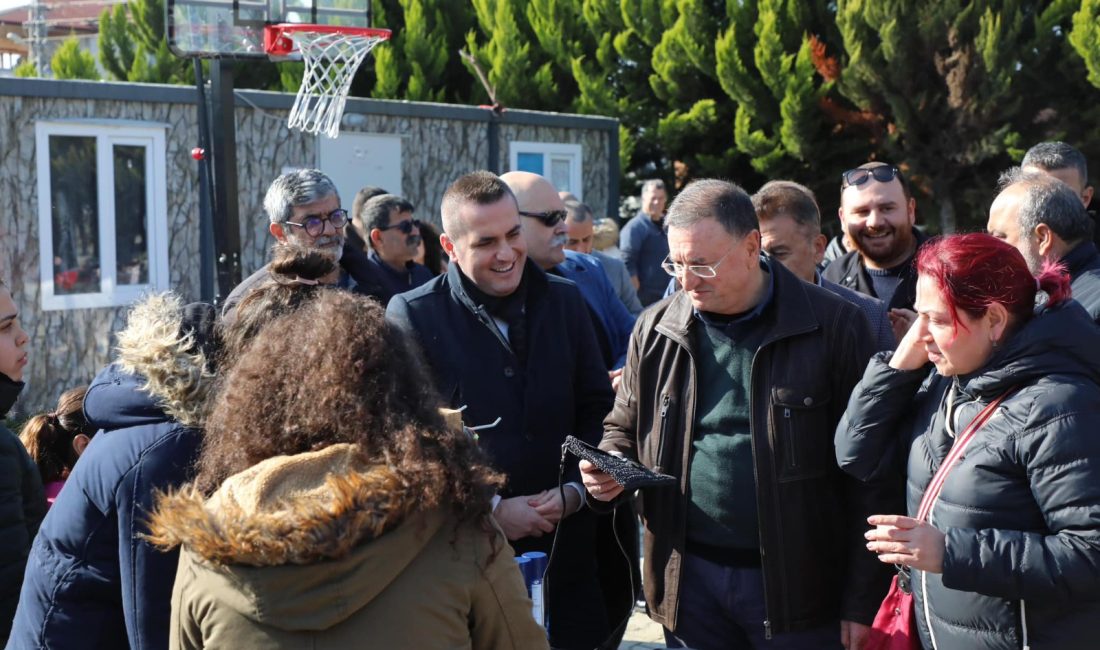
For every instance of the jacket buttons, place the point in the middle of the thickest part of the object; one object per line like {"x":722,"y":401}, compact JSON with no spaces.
{"x":809,"y":401}
{"x":508,"y":372}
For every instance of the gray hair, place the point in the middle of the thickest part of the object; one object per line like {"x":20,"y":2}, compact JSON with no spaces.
{"x":578,"y":212}
{"x":653,"y":184}
{"x":788,"y":199}
{"x":376,"y":212}
{"x":1056,"y":155}
{"x":1049,"y":201}
{"x":715,"y":199}
{"x":295,"y":188}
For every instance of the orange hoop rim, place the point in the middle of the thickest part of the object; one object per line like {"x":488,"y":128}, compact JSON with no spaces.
{"x":278,"y":43}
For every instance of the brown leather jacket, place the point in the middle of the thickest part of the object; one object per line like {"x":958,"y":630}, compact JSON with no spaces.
{"x":812,"y":516}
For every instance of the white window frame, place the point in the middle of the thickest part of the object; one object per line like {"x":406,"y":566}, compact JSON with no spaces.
{"x":551,"y":151}
{"x":106,"y":134}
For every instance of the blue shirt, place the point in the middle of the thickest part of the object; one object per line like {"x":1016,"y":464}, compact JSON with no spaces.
{"x":644,"y":246}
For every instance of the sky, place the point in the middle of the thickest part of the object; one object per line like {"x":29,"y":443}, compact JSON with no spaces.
{"x":12,"y":4}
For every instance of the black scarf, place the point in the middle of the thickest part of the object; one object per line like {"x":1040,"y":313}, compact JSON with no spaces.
{"x":512,"y":309}
{"x":9,"y":392}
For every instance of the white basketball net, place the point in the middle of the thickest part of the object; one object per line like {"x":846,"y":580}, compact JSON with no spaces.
{"x":331,"y":61}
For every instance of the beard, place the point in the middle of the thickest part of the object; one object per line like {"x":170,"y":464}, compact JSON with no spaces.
{"x":901,"y":243}
{"x":331,"y":246}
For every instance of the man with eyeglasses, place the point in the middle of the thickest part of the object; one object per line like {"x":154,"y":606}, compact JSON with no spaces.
{"x":544,"y":214}
{"x":878,"y":213}
{"x":515,"y":346}
{"x":643,"y":243}
{"x":303,"y":207}
{"x":394,"y":235}
{"x":735,"y":386}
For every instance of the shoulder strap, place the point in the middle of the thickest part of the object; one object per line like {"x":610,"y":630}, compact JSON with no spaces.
{"x":932,"y":492}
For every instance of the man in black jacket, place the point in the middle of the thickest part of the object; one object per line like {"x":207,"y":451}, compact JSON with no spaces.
{"x":516,"y":346}
{"x":735,"y":385}
{"x":878,"y":213}
{"x":1044,"y":219}
{"x":303,"y":207}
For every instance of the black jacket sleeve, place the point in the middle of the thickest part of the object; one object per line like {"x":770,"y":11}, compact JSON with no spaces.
{"x":591,"y":384}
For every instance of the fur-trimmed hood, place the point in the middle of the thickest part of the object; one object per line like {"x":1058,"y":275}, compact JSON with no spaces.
{"x":298,"y":542}
{"x":169,"y":368}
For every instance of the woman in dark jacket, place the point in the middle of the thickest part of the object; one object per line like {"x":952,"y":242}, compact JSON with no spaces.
{"x":1010,"y":554}
{"x":91,"y":581}
{"x":22,"y":502}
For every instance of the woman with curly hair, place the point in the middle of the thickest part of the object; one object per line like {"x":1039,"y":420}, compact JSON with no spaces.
{"x":333,"y":508}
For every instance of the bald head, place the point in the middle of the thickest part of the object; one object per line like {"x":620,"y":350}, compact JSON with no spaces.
{"x":533,"y":192}
{"x":543,"y":214}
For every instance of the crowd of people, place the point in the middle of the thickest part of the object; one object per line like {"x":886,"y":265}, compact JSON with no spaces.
{"x":354,"y":445}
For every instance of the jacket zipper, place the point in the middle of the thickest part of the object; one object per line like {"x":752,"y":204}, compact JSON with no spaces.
{"x":666,"y":399}
{"x":1023,"y":624}
{"x":756,"y":480}
{"x":788,"y":428}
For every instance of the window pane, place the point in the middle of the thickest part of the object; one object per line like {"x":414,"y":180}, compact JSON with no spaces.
{"x":559,"y":174}
{"x":74,"y":215}
{"x":529,"y":162}
{"x":131,"y":224}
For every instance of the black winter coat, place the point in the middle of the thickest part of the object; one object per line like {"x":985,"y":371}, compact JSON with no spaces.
{"x":1083,"y":264}
{"x":22,"y":506}
{"x":1021,"y":509}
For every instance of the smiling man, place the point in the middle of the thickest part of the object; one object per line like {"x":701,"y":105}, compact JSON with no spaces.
{"x":735,"y":386}
{"x":515,"y":346}
{"x":877,"y":212}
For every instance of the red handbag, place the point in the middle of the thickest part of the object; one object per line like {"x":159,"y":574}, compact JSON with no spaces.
{"x":895,"y":627}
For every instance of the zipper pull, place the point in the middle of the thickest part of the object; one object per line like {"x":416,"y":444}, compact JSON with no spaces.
{"x":665,"y":401}
{"x":767,"y":630}
{"x":786,"y":413}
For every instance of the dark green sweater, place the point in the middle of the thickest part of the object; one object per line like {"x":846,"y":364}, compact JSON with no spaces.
{"x":722,"y":510}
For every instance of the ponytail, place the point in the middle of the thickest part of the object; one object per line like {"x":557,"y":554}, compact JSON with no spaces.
{"x":1054,"y":279}
{"x":48,"y":437}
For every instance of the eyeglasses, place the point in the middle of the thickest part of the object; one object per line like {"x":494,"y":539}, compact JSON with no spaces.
{"x":406,"y":227}
{"x":677,"y":270}
{"x":548,"y":219}
{"x":314,"y":224}
{"x":883,"y":174}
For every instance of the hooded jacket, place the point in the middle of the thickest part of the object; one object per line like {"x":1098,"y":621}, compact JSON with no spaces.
{"x":22,"y":506}
{"x":91,"y":581}
{"x":1021,"y":509}
{"x":323,"y":550}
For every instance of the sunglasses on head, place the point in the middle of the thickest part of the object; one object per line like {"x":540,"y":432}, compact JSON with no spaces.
{"x":406,"y":227}
{"x":548,"y":219}
{"x":859,"y":176}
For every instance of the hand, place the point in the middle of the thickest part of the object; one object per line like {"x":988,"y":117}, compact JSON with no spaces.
{"x":911,"y":353}
{"x":599,"y":484}
{"x":548,"y":504}
{"x":901,"y":321}
{"x":904,"y":540}
{"x":853,"y":635}
{"x":616,"y":377}
{"x":518,"y":519}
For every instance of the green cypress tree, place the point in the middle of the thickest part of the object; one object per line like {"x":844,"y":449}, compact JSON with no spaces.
{"x":511,"y":57}
{"x":71,"y":61}
{"x":1085,"y":37}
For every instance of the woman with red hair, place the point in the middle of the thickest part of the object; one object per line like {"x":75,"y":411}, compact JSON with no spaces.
{"x":997,"y":381}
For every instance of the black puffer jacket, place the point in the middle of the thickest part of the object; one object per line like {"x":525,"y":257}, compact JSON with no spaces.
{"x":1021,"y":510}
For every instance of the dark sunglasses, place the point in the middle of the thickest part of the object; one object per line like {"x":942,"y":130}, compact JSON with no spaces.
{"x":882,"y":174}
{"x":314,"y":224}
{"x":406,"y":227}
{"x":548,"y":219}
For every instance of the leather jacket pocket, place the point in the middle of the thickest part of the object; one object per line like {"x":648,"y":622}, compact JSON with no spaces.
{"x":802,"y":440}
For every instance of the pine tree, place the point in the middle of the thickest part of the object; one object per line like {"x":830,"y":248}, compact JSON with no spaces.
{"x":132,"y":45}
{"x":71,"y":61}
{"x":519,"y":73}
{"x":414,"y":63}
{"x":1085,"y":37}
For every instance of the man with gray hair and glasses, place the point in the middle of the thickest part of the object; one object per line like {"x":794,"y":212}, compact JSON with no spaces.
{"x":303,"y":207}
{"x":735,"y":385}
{"x":1044,"y":219}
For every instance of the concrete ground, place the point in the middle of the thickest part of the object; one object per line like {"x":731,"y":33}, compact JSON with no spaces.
{"x":642,"y":633}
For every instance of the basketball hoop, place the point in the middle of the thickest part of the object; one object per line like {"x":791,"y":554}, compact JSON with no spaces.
{"x":332,"y":54}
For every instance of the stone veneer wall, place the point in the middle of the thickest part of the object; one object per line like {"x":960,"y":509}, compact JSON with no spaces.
{"x":68,"y":347}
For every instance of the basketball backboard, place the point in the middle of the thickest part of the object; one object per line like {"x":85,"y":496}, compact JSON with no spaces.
{"x":234,"y":29}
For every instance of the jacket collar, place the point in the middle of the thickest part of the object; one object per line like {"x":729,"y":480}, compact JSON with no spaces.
{"x":9,"y":392}
{"x":790,"y":311}
{"x":535,"y":278}
{"x":1081,"y":258}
